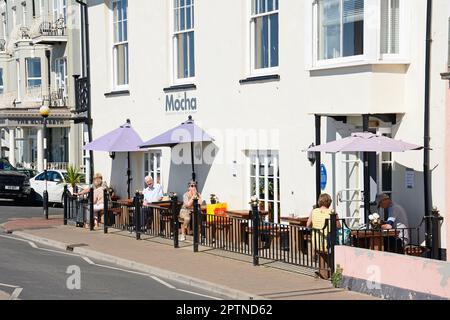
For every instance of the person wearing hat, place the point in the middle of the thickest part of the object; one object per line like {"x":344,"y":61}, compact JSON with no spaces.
{"x":394,"y":217}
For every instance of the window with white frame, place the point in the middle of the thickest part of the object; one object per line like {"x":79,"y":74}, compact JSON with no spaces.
{"x":340,"y":26}
{"x":152,"y":165}
{"x":14,"y":16}
{"x":60,"y":9}
{"x":1,"y":81}
{"x":34,"y":76}
{"x":24,"y":13}
{"x":390,"y":27}
{"x":120,"y":42}
{"x":183,"y":39}
{"x":265,"y":180}
{"x":264,"y":34}
{"x":4,"y":26}
{"x":61,"y":76}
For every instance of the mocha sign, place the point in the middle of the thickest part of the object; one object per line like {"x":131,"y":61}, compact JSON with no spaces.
{"x":180,"y":104}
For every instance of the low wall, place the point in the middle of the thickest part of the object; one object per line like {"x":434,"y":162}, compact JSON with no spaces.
{"x":393,"y":276}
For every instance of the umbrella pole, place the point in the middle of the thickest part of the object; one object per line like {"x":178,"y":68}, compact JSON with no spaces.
{"x":129,"y":177}
{"x":366,"y":159}
{"x":192,"y":161}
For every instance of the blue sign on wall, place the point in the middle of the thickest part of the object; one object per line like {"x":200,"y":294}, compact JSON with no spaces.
{"x":323,"y":177}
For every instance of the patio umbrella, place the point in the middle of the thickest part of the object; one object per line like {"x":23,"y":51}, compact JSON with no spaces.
{"x":365,"y":142}
{"x":122,"y":139}
{"x":187,"y":132}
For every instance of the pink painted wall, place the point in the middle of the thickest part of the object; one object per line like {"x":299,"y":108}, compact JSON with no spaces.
{"x":406,"y":272}
{"x":447,"y":169}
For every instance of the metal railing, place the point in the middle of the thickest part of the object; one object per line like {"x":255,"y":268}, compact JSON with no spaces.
{"x":255,"y":237}
{"x":52,"y":28}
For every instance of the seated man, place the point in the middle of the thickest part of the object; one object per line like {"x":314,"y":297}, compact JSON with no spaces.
{"x":152,"y":193}
{"x":395,"y":218}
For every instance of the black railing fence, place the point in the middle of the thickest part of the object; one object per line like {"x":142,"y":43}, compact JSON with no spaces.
{"x":255,"y":237}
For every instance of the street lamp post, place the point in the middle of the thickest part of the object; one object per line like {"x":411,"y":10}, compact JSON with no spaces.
{"x":44,"y":111}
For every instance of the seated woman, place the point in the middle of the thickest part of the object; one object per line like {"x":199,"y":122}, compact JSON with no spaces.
{"x":318,"y":218}
{"x":188,"y":206}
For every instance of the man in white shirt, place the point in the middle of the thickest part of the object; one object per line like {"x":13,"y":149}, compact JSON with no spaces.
{"x":153,"y":192}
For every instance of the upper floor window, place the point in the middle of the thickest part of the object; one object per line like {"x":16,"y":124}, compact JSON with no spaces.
{"x":1,"y":81}
{"x":340,"y":28}
{"x":24,"y":13}
{"x":34,"y":77}
{"x":183,"y":39}
{"x":390,"y":27}
{"x":264,"y":33}
{"x":120,"y":42}
{"x":60,"y":9}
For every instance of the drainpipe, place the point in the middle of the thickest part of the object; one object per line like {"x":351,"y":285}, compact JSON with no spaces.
{"x":426,"y":143}
{"x":318,"y":157}
{"x":49,"y":77}
{"x":87,"y":60}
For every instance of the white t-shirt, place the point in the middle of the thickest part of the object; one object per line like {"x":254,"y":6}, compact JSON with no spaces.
{"x":153,"y":194}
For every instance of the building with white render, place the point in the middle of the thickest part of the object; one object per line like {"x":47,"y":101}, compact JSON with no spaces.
{"x":257,"y":75}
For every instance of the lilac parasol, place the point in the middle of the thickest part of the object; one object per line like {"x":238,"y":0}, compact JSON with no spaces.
{"x":187,"y":132}
{"x":365,"y":142}
{"x":122,"y":139}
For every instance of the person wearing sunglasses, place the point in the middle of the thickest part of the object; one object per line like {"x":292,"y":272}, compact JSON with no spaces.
{"x":188,"y":205}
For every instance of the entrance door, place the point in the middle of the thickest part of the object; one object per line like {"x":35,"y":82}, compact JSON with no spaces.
{"x":349,"y":196}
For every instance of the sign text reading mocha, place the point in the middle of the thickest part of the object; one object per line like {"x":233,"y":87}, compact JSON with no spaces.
{"x":174,"y":104}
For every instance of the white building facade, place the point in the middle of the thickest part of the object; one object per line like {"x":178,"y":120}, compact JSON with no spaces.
{"x":40,"y":51}
{"x":256,"y":74}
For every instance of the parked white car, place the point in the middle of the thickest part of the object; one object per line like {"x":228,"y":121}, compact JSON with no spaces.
{"x":56,"y":179}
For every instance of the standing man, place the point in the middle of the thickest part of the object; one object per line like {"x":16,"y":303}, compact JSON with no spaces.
{"x":394,"y":217}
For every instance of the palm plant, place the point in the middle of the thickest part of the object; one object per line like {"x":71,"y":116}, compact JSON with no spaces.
{"x":73,"y":176}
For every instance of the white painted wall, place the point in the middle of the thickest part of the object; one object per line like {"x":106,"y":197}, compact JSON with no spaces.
{"x":221,"y":44}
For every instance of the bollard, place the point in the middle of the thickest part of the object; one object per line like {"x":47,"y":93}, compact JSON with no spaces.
{"x":105,"y":211}
{"x":255,"y":225}
{"x":436,"y":219}
{"x":332,"y":235}
{"x":91,"y":209}
{"x":45,"y":204}
{"x":195,"y":222}
{"x":65,"y":202}
{"x":174,"y":207}
{"x":137,"y":215}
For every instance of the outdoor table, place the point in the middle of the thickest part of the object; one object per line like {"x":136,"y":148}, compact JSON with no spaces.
{"x":245,"y":214}
{"x":373,"y":239}
{"x":298,"y":221}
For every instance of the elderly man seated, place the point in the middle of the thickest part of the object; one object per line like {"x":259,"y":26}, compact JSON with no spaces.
{"x":152,"y":193}
{"x":395,"y":218}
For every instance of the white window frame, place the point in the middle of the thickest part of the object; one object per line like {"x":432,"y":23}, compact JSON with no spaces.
{"x":115,"y":86}
{"x":4,"y":26}
{"x":156,"y":156}
{"x":2,"y":85}
{"x":62,"y":80}
{"x":254,"y":160}
{"x":60,"y":9}
{"x":372,"y":38}
{"x":14,"y":16}
{"x":24,"y":13}
{"x":251,"y":19}
{"x":28,"y":78}
{"x":173,"y":39}
{"x":19,"y":81}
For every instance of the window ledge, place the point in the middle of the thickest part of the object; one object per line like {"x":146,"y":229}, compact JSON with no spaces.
{"x":358,"y":64}
{"x":117,"y":93}
{"x":180,"y":87}
{"x":262,"y":78}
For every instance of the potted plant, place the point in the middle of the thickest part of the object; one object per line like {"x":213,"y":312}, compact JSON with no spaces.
{"x":73,"y":177}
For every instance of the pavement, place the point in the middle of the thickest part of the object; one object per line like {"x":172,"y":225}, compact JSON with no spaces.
{"x":4,"y":295}
{"x":206,"y":270}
